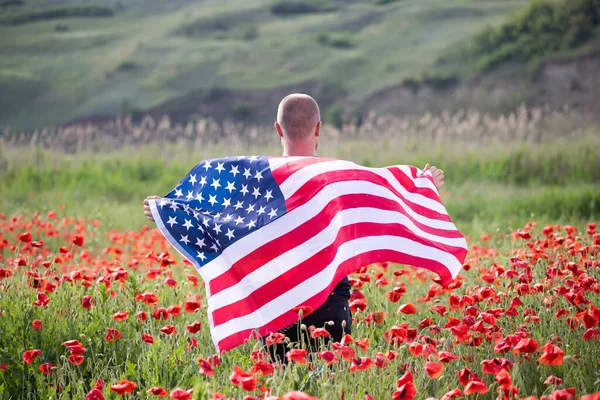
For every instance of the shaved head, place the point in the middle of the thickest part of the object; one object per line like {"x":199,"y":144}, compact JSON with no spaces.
{"x":298,"y":116}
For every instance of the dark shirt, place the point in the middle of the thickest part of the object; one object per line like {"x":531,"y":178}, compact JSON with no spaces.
{"x":342,"y":288}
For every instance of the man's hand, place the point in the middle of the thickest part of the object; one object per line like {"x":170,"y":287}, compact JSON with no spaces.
{"x":147,"y":207}
{"x":438,"y":175}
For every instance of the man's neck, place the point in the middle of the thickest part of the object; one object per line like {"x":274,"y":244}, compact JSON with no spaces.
{"x":300,"y":152}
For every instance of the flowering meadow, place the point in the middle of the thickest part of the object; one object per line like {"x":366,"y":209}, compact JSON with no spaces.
{"x":100,"y":314}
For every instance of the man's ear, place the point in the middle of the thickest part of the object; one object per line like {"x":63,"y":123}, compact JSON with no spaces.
{"x":278,"y":130}
{"x":318,"y":129}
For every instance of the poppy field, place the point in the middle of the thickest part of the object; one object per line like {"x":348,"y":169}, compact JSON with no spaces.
{"x":96,"y":314}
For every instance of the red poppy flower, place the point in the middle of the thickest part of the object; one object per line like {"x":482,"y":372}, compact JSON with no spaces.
{"x":297,"y":395}
{"x":262,"y":366}
{"x":406,"y":390}
{"x":78,"y":240}
{"x":112,"y":334}
{"x":439,"y":309}
{"x":274,"y":338}
{"x":495,"y":365}
{"x":328,"y":356}
{"x":5,"y":273}
{"x":303,"y":311}
{"x":4,"y":367}
{"x":191,"y":306}
{"x":47,"y":368}
{"x":553,"y":380}
{"x":169,"y":330}
{"x":416,"y":349}
{"x":564,"y":394}
{"x":148,"y":298}
{"x":396,"y":294}
{"x":362,"y":343}
{"x":451,"y":394}
{"x":142,"y":316}
{"x":36,"y":324}
{"x":87,"y":302}
{"x":361,"y":364}
{"x":123,"y":387}
{"x":120,"y":316}
{"x":347,"y":339}
{"x":297,"y":355}
{"x":174,"y":310}
{"x":25,"y":237}
{"x":171,"y":282}
{"x":180,"y":394}
{"x":358,"y":305}
{"x":407,"y":309}
{"x":160,"y":313}
{"x":552,"y":355}
{"x":194,"y":327}
{"x":527,"y":345}
{"x":465,"y":375}
{"x":206,"y":367}
{"x":30,"y":355}
{"x":75,"y":359}
{"x":434,"y":370}
{"x":157,"y":391}
{"x":148,"y":338}
{"x":476,"y":387}
{"x":241,"y":377}
{"x":42,"y":300}
{"x":504,"y":380}
{"x":319,"y":332}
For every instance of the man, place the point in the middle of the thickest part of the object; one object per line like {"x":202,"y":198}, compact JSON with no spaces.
{"x":298,"y":127}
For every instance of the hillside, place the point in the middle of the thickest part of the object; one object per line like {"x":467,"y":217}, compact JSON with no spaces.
{"x":64,"y":60}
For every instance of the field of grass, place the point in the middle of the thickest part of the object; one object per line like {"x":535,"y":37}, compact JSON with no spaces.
{"x":149,"y":52}
{"x":492,"y":192}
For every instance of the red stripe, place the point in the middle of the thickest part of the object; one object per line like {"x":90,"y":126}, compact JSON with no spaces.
{"x":410,"y":185}
{"x":322,"y":259}
{"x":263,"y":254}
{"x":289,"y":317}
{"x":284,"y":171}
{"x":315,"y":184}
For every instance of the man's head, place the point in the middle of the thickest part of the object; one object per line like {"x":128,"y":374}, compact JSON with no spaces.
{"x":298,"y":125}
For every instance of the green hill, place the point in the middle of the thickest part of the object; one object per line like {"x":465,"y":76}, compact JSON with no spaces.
{"x":67,"y":59}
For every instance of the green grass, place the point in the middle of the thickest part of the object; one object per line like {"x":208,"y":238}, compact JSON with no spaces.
{"x":79,"y":69}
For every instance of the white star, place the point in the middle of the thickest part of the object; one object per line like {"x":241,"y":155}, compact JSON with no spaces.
{"x":196,"y":215}
{"x":239,"y":220}
{"x":256,"y":193}
{"x":206,"y":165}
{"x":212,"y":200}
{"x":226,"y":202}
{"x":188,"y":224}
{"x":220,"y":167}
{"x":269,"y":195}
{"x":234,"y":170}
{"x":244,"y":190}
{"x":184,"y":239}
{"x":173,"y":206}
{"x":217,"y":228}
{"x":227,"y":218}
{"x":229,"y":234}
{"x":205,"y":222}
{"x":250,"y":208}
{"x":261,"y":211}
{"x":178,"y":192}
{"x":186,"y":208}
{"x":217,"y":215}
{"x":193,"y":179}
{"x":238,"y":205}
{"x":162,"y":203}
{"x":201,"y":256}
{"x":273,"y":213}
{"x":199,"y":197}
{"x":230,"y":186}
{"x":258,"y":176}
{"x":172,"y":221}
{"x":190,"y":195}
{"x":247,"y":173}
{"x":215,"y":184}
{"x":200,"y":242}
{"x":203,"y":180}
{"x":251,"y":224}
{"x":253,"y":158}
{"x":214,"y":247}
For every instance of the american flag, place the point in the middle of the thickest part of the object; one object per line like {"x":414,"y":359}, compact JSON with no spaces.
{"x":268,"y":234}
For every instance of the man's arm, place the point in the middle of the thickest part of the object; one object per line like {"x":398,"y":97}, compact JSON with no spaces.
{"x":147,"y":210}
{"x":438,"y":175}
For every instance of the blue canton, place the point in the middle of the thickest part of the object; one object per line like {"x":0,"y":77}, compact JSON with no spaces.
{"x":220,"y":201}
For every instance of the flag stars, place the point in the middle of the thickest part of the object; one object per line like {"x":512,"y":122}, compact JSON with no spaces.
{"x":188,"y":224}
{"x":244,"y":190}
{"x":238,"y":205}
{"x":212,"y":199}
{"x":217,"y":228}
{"x":172,"y":221}
{"x":173,"y":206}
{"x":214,"y":247}
{"x":230,"y":186}
{"x":206,"y":165}
{"x":199,"y":197}
{"x":239,"y":220}
{"x":234,"y":170}
{"x":261,"y":211}
{"x":273,"y":213}
{"x":201,"y":256}
{"x":250,"y":208}
{"x":227,"y":218}
{"x":226,"y":202}
{"x":193,"y":179}
{"x":220,"y":167}
{"x":184,"y":239}
{"x":230,"y":234}
{"x":203,"y":180}
{"x":258,"y":176}
{"x":247,"y":173}
{"x":253,"y":158}
{"x":215,"y":184}
{"x":190,"y":195}
{"x":269,"y":195}
{"x":251,"y":224}
{"x":178,"y":193}
{"x":162,"y":203}
{"x":200,"y":242}
{"x":256,"y":192}
{"x":205,"y":222}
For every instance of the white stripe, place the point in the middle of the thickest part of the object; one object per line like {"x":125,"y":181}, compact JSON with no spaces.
{"x":303,"y":175}
{"x":165,"y":231}
{"x":275,"y":163}
{"x":323,"y":239}
{"x":420,"y":182}
{"x":320,"y":281}
{"x":298,"y":216}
